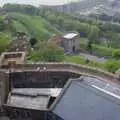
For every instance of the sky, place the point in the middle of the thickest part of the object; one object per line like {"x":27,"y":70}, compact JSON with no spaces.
{"x":36,"y":2}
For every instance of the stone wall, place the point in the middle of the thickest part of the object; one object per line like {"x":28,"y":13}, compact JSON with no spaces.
{"x":4,"y":86}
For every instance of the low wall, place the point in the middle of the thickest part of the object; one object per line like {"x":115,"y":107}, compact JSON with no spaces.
{"x":43,"y":79}
{"x":70,"y":67}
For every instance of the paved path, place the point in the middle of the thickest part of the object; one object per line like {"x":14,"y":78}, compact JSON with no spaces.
{"x":93,"y":58}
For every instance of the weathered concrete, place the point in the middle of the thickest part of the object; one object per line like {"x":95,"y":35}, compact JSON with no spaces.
{"x":4,"y":86}
{"x":43,"y":79}
{"x":69,"y":67}
{"x":13,"y":57}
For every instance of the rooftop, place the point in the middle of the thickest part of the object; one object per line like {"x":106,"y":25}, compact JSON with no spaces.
{"x":90,"y":98}
{"x":30,"y":98}
{"x":70,"y":35}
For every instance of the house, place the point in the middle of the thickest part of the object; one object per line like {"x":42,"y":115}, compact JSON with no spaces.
{"x":87,"y":98}
{"x":30,"y":103}
{"x":70,"y":42}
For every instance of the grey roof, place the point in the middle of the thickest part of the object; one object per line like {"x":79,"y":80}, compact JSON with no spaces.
{"x":28,"y":102}
{"x":90,"y":99}
{"x":54,"y":92}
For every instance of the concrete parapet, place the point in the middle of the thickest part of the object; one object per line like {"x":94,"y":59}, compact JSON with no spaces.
{"x":66,"y":66}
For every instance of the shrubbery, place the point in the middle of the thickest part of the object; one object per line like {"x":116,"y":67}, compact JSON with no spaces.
{"x":116,"y":54}
{"x":112,"y":65}
{"x":100,"y":50}
{"x":4,"y":42}
{"x":48,"y":53}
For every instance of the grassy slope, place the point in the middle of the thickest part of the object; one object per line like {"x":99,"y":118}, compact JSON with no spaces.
{"x":34,"y":25}
{"x":18,"y":26}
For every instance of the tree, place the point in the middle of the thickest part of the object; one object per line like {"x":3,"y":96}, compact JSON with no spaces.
{"x":52,"y":18}
{"x":4,"y":43}
{"x":93,"y":36}
{"x":93,"y":33}
{"x":53,"y":53}
{"x":60,"y":20}
{"x":33,"y":41}
{"x":48,"y":52}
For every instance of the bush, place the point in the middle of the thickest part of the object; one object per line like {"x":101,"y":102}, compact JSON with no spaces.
{"x":112,"y":65}
{"x":102,"y":51}
{"x":99,"y":50}
{"x":48,"y":53}
{"x":116,"y":54}
{"x":4,"y":42}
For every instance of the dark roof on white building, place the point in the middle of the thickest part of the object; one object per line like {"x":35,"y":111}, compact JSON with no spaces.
{"x":88,"y":99}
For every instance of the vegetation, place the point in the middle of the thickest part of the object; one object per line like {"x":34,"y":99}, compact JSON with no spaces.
{"x":80,"y":60}
{"x":4,"y":42}
{"x":40,"y":24}
{"x":116,"y":54}
{"x":48,"y":53}
{"x":35,"y":26}
{"x":100,"y":50}
{"x":112,"y":65}
{"x":95,"y":31}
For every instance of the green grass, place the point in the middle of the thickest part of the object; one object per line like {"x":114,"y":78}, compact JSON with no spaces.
{"x":35,"y":25}
{"x":18,"y":26}
{"x":82,"y":61}
{"x":100,"y":50}
{"x":4,"y":42}
{"x":75,"y":59}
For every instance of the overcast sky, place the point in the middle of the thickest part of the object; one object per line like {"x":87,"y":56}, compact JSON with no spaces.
{"x":36,"y":2}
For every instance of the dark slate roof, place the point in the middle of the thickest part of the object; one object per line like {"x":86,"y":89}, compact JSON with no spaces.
{"x":88,"y":99}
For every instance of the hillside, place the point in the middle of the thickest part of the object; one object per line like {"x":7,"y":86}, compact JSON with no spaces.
{"x":103,"y":9}
{"x":35,"y":26}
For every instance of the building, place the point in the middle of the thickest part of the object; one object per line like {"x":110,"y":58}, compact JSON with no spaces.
{"x":12,"y":58}
{"x":30,"y":103}
{"x":71,"y":43}
{"x":87,"y":98}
